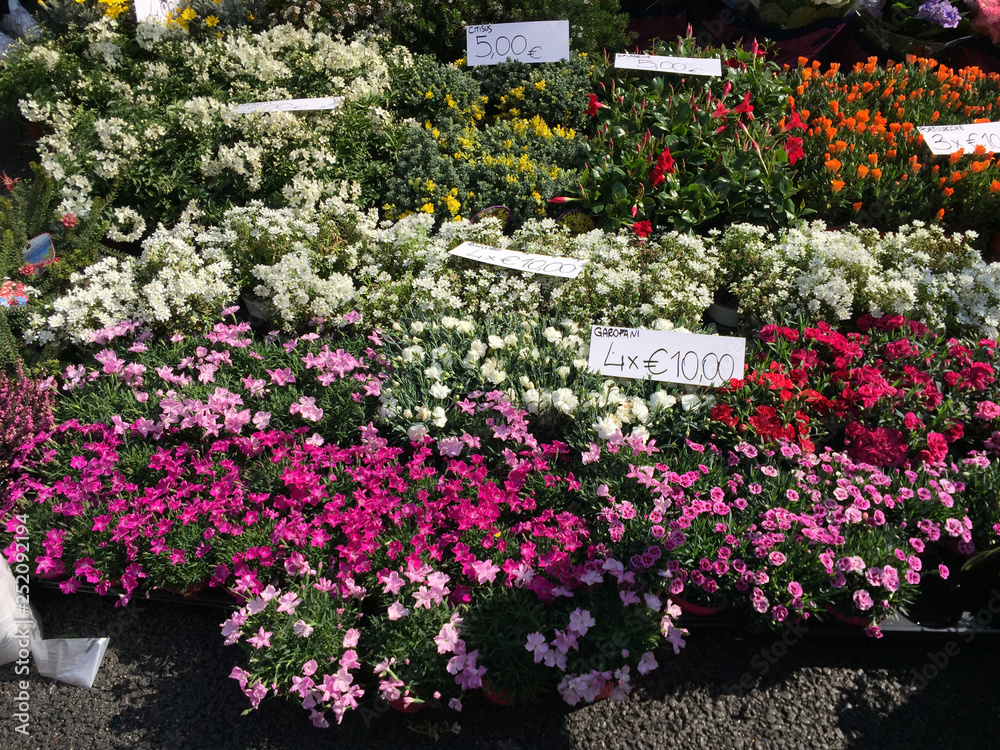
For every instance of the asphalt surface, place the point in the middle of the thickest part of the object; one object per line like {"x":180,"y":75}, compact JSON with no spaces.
{"x":164,"y":684}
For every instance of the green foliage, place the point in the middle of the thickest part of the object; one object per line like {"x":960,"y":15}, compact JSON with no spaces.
{"x":439,"y":28}
{"x":691,"y":152}
{"x":28,"y":210}
{"x":498,"y":135}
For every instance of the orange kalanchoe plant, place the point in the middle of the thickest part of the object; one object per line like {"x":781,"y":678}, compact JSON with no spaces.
{"x":865,"y":160}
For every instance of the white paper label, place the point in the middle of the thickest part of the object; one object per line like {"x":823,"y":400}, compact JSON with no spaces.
{"x":291,"y":105}
{"x":548,"y":265}
{"x":530,"y":42}
{"x":947,"y":139}
{"x":697,"y":66}
{"x":666,"y":356}
{"x":154,"y":10}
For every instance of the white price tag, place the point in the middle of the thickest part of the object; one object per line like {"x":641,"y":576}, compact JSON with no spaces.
{"x":548,"y":265}
{"x":696,"y":66}
{"x":947,"y":139}
{"x":529,"y":41}
{"x":154,"y":10}
{"x":291,"y":105}
{"x":666,"y":356}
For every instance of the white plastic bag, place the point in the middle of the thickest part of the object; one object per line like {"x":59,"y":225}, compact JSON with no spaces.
{"x":19,"y":23}
{"x":74,"y":661}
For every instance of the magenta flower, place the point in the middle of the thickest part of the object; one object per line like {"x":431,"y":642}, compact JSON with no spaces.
{"x":863,"y":600}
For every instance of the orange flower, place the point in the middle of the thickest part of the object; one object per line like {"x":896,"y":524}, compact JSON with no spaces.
{"x":877,"y":173}
{"x":995,"y":186}
{"x":956,"y":155}
{"x":830,"y":133}
{"x":948,"y":192}
{"x":940,"y":214}
{"x":837,"y":185}
{"x":857,"y":206}
{"x":834,"y":106}
{"x":980,"y":150}
{"x":891,"y":153}
{"x":832,"y":166}
{"x":935,"y":116}
{"x":862,"y":171}
{"x":873,"y":159}
{"x":956,"y":176}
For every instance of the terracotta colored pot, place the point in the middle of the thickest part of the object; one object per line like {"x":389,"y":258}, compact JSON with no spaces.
{"x":496,"y":695}
{"x":696,"y":610}
{"x":403,"y":707}
{"x":839,"y":616}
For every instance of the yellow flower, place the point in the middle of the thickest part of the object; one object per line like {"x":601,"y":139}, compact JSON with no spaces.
{"x":429,"y":186}
{"x":211,"y":21}
{"x":429,"y":95}
{"x":427,"y":208}
{"x":189,"y":14}
{"x":540,"y":85}
{"x":448,"y":100}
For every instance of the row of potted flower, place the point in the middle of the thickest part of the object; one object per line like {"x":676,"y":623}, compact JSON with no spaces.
{"x":380,"y":501}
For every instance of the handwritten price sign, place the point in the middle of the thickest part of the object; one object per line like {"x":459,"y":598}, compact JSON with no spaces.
{"x":291,"y":105}
{"x":947,"y":139}
{"x":154,"y":10}
{"x":530,"y":42}
{"x":548,"y":265}
{"x":666,"y":356}
{"x":696,"y":66}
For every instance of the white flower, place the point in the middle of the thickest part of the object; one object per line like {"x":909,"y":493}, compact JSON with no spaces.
{"x":416,"y":432}
{"x":439,"y":390}
{"x":661,"y":400}
{"x":495,"y":342}
{"x":689,"y":401}
{"x":606,"y":426}
{"x":564,"y":400}
{"x":552,"y":335}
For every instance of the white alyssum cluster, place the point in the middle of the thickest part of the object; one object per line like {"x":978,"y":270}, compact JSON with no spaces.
{"x":918,"y":271}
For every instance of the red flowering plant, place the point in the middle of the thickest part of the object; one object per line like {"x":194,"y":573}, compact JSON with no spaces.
{"x":686,"y":152}
{"x":893,"y":393}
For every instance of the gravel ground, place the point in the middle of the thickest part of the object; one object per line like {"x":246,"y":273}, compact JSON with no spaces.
{"x":164,"y":684}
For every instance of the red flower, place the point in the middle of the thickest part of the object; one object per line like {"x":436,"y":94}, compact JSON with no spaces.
{"x":794,"y":122}
{"x":745,"y":108}
{"x":10,"y":182}
{"x":937,"y":448}
{"x":69,"y":221}
{"x":794,"y":150}
{"x":594,"y":105}
{"x":642,"y":229}
{"x":664,"y":165}
{"x":724,"y":413}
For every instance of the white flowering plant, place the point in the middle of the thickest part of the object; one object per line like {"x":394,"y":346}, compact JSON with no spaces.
{"x":148,"y":111}
{"x":919,"y":271}
{"x":539,"y":366}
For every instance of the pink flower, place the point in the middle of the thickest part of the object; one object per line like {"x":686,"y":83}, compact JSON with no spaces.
{"x":307,"y":409}
{"x":647,"y":663}
{"x":303,"y":630}
{"x":397,"y":611}
{"x":776,"y":558}
{"x":987,"y":410}
{"x":863,"y":600}
{"x":69,"y":220}
{"x":289,"y":602}
{"x":262,"y":639}
{"x":351,"y":638}
{"x":580,"y":621}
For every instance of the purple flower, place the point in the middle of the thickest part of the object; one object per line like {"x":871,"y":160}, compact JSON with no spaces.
{"x":941,"y":12}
